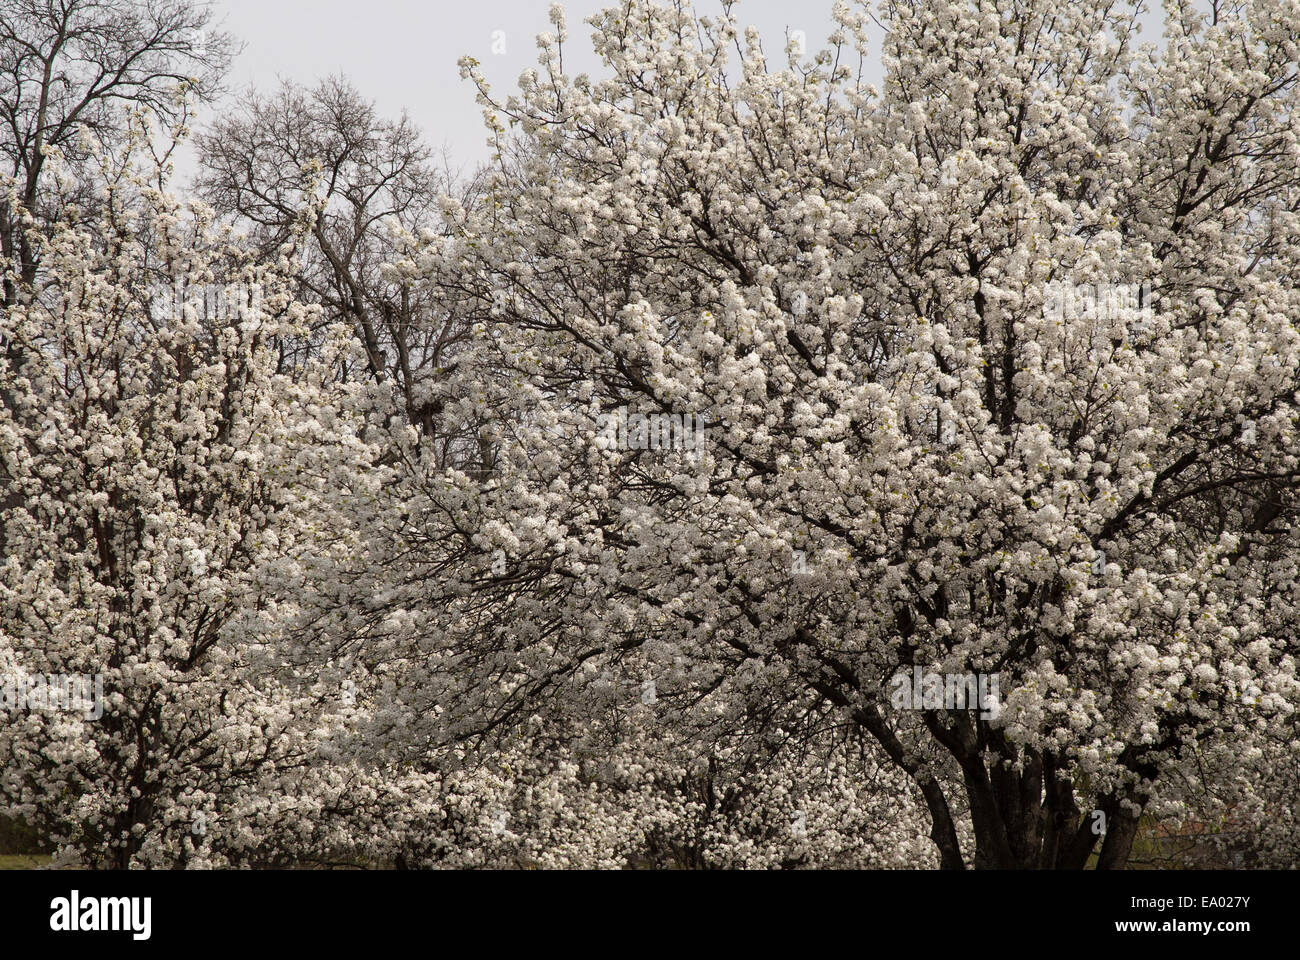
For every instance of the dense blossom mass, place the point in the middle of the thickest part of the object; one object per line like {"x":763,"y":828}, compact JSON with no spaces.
{"x":750,"y":467}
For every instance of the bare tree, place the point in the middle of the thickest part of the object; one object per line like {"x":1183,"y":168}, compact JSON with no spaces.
{"x":371,"y":181}
{"x":66,"y":65}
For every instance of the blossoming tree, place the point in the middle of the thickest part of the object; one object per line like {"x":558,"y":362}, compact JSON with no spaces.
{"x":935,"y":437}
{"x":166,"y":491}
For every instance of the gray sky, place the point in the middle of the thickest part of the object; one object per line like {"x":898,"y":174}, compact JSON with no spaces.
{"x":402,"y":54}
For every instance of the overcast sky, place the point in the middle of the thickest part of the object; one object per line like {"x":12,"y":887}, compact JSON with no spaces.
{"x":402,"y":53}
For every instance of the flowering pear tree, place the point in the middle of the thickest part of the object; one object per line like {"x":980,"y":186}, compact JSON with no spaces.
{"x":834,"y":476}
{"x":166,"y":491}
{"x":997,"y":368}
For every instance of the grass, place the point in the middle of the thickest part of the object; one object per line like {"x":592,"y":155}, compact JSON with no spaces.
{"x":22,"y":861}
